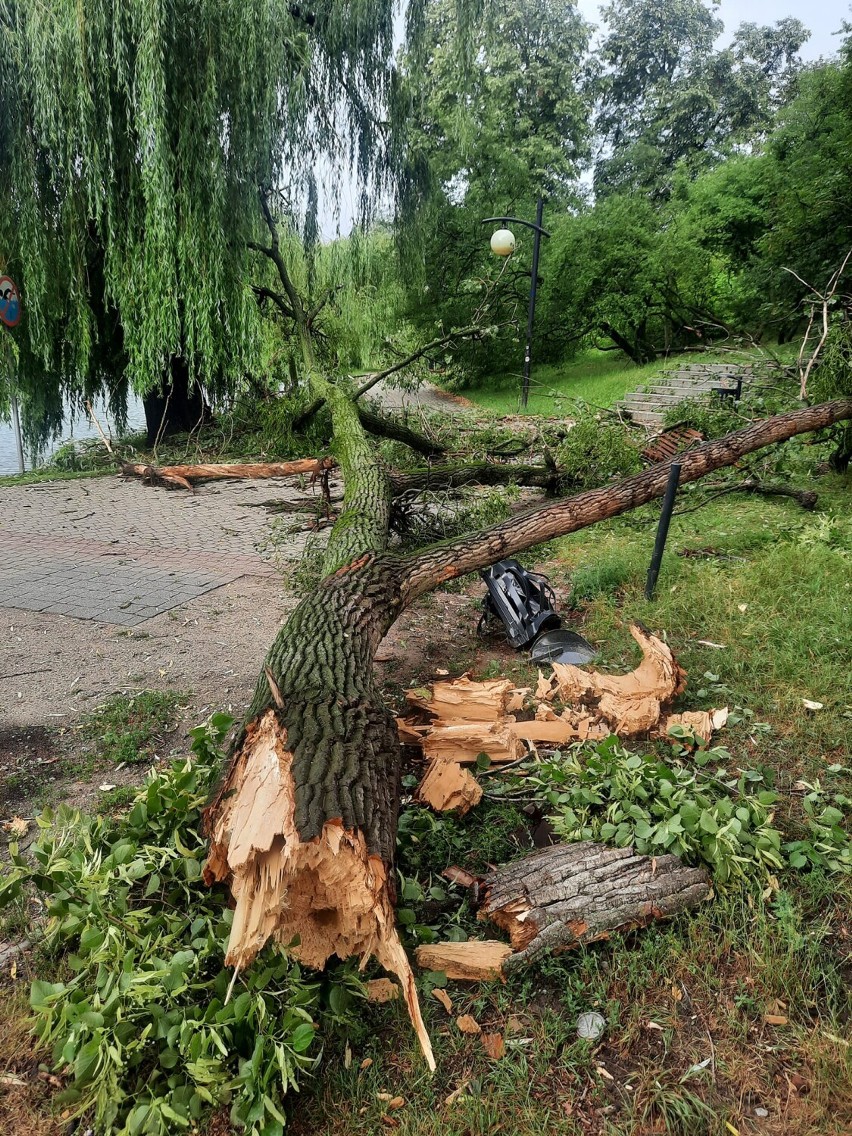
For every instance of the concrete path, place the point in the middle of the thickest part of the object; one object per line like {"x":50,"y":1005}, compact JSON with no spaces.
{"x":109,"y":586}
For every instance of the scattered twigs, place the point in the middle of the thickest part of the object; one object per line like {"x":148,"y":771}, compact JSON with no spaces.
{"x":93,"y":418}
{"x":807,"y":498}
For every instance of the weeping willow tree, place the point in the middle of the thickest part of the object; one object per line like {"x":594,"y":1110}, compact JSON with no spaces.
{"x":133,"y":139}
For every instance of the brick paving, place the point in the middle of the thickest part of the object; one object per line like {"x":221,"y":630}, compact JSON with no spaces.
{"x":120,"y":552}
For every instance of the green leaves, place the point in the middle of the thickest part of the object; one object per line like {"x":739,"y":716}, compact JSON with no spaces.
{"x":609,"y":794}
{"x":143,"y":1022}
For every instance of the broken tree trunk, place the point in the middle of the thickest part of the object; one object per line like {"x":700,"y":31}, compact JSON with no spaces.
{"x":304,"y":824}
{"x":571,"y":894}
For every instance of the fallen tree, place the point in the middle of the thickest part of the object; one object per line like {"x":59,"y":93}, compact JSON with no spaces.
{"x":303,"y":826}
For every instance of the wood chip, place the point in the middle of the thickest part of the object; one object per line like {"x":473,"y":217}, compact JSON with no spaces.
{"x":381,"y":990}
{"x":384,"y":1096}
{"x":468,"y":1024}
{"x":457,"y":875}
{"x":493,"y":1045}
{"x":443,"y":997}
{"x":447,"y":786}
{"x":775,"y":1019}
{"x":395,"y":1103}
{"x":366,"y":1063}
{"x":464,"y":700}
{"x":475,"y":961}
{"x":389,"y":1121}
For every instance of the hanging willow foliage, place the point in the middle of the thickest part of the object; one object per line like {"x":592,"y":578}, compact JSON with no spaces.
{"x":133,"y":139}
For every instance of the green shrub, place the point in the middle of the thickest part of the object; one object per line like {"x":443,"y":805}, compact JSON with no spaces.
{"x":712,"y":414}
{"x":139,"y":1014}
{"x":596,"y":449}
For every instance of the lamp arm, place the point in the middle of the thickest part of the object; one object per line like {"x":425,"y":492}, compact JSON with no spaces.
{"x":515,"y":221}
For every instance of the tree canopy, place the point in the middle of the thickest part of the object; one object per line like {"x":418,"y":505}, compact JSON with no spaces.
{"x":133,"y":140}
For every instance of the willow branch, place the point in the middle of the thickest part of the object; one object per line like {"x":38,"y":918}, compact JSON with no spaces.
{"x":301,"y":420}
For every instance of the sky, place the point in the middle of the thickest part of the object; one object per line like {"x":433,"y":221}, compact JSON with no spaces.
{"x":823,"y":17}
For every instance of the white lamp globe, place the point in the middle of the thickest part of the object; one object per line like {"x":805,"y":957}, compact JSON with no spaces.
{"x":503,"y":242}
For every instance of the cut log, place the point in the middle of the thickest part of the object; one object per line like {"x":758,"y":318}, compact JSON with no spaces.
{"x":463,"y":699}
{"x":183,"y":475}
{"x":467,"y":962}
{"x":572,"y":894}
{"x":447,"y":786}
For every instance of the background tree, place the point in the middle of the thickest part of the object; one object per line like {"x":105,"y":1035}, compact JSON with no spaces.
{"x":133,"y":138}
{"x":669,"y":98}
{"x":489,"y":128}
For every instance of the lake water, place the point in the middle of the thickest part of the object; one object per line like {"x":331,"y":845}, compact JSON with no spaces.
{"x":76,"y":427}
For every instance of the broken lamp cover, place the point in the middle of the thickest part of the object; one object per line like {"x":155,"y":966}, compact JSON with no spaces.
{"x":562,"y":647}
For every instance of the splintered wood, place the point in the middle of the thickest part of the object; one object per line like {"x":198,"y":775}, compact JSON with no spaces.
{"x":469,"y":962}
{"x":329,"y":895}
{"x":455,"y":722}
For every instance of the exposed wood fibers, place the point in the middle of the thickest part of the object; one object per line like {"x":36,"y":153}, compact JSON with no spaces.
{"x":330,"y":892}
{"x":466,"y":718}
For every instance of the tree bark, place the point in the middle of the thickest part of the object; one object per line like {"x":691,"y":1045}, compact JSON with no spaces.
{"x":571,"y":894}
{"x":177,"y":406}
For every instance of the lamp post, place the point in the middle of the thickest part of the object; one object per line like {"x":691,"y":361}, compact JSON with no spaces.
{"x":503,"y":244}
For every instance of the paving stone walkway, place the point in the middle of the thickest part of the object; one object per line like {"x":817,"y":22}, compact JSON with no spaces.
{"x":120,"y":552}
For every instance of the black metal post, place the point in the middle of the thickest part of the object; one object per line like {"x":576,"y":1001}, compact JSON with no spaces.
{"x":662,"y":530}
{"x":525,"y":393}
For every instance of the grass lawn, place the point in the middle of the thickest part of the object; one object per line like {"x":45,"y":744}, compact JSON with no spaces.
{"x":732,"y":1019}
{"x":599,"y":377}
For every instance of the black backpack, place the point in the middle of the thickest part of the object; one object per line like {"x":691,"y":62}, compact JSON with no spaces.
{"x":522,"y":600}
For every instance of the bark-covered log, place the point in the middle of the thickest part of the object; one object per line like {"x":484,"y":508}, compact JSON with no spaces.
{"x":476,"y":473}
{"x":571,"y":894}
{"x":385,"y":426}
{"x":433,"y":566}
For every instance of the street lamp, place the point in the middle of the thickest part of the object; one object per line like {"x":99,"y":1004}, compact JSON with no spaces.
{"x":503,"y":244}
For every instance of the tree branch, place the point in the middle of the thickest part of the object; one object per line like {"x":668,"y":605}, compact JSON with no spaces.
{"x":275,"y":297}
{"x":301,"y":421}
{"x":455,"y":558}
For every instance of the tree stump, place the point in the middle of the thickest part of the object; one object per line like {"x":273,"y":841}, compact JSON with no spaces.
{"x":570,"y":894}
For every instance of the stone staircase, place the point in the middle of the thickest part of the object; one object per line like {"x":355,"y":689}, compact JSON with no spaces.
{"x":647,"y":405}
